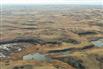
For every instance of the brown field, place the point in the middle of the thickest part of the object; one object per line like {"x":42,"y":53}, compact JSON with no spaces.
{"x":63,"y":35}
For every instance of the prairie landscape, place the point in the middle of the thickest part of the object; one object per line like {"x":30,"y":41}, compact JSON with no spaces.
{"x":51,"y":37}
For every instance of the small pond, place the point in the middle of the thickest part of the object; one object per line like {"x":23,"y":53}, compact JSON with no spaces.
{"x":98,"y":43}
{"x":37,"y":57}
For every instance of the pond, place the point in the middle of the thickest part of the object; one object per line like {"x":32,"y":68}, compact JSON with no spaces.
{"x":98,"y":43}
{"x":37,"y":57}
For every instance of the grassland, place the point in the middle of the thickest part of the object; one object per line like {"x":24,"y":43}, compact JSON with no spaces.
{"x":64,"y":35}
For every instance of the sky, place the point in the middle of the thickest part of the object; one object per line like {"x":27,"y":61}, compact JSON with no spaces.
{"x":51,"y":1}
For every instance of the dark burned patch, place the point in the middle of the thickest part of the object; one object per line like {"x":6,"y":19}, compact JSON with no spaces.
{"x":30,"y":24}
{"x":76,"y":63}
{"x":59,"y":41}
{"x":70,"y":41}
{"x":71,"y":49}
{"x":32,"y":40}
{"x":31,"y":28}
{"x":73,"y":62}
{"x":64,"y":50}
{"x":100,"y":24}
{"x":88,"y":47}
{"x":22,"y":40}
{"x":87,"y":33}
{"x":95,"y":38}
{"x":53,"y":42}
{"x":23,"y":67}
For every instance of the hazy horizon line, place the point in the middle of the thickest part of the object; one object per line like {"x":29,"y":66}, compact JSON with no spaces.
{"x":52,"y":4}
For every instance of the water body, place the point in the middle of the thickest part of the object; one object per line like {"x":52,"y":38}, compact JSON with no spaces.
{"x":37,"y":57}
{"x":98,"y":43}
